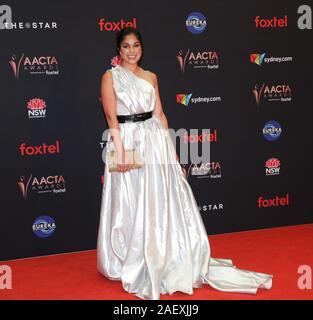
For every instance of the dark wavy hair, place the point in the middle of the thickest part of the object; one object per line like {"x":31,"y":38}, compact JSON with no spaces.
{"x":125,"y":32}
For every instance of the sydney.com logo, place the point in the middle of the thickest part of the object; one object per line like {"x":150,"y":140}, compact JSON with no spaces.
{"x":185,"y":99}
{"x":259,"y":59}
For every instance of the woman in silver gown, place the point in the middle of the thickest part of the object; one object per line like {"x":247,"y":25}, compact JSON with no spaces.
{"x":151,"y":235}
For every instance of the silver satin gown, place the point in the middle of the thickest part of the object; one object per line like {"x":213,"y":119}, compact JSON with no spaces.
{"x":151,"y":235}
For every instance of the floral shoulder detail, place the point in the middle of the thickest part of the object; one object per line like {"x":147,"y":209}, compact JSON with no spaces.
{"x":115,"y":61}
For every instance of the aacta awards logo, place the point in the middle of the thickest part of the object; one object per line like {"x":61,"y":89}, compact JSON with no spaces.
{"x":197,"y":60}
{"x":106,"y":25}
{"x":211,"y":170}
{"x":271,"y":93}
{"x":41,"y":65}
{"x":49,"y":184}
{"x":36,"y":108}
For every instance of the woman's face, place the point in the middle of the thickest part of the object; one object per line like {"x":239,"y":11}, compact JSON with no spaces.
{"x":130,"y":49}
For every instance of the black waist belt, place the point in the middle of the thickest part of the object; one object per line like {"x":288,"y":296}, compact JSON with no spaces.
{"x":134,"y":117}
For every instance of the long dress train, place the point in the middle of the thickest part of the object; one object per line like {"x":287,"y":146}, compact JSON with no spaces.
{"x":151,"y":235}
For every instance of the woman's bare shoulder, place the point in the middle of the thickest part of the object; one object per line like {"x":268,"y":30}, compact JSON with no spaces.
{"x":107,"y":75}
{"x":149,"y":72}
{"x":151,"y":75}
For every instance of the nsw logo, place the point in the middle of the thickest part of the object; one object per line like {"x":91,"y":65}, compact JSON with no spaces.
{"x":272,"y":167}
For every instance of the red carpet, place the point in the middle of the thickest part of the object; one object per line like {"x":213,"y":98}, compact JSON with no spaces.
{"x":277,"y":251}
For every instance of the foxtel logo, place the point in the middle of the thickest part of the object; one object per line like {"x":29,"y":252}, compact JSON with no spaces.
{"x":116,"y":26}
{"x":273,"y":202}
{"x":39,"y":150}
{"x":271,"y":23}
{"x":304,"y":20}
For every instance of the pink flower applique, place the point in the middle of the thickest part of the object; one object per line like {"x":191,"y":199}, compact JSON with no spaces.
{"x":115,"y":61}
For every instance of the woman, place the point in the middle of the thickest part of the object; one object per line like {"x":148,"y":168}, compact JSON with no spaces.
{"x":151,"y":235}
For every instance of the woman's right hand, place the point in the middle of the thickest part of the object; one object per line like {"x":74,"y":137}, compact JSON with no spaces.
{"x":125,"y":164}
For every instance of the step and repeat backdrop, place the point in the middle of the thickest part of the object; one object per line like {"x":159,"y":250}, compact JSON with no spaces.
{"x":242,"y":71}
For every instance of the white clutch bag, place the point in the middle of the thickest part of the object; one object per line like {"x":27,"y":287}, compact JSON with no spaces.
{"x":130,"y":154}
